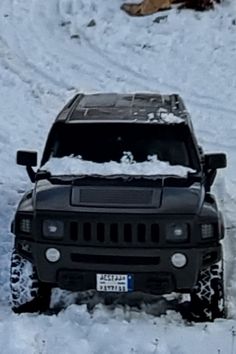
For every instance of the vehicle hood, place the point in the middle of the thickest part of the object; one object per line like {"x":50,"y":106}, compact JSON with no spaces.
{"x":116,"y":195}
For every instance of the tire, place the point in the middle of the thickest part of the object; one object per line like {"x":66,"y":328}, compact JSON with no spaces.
{"x":28,"y":294}
{"x":207,"y":297}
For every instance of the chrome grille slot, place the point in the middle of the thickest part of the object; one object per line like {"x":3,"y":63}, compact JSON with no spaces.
{"x":100,"y":232}
{"x":113,"y":235}
{"x":87,"y":232}
{"x":155,"y":233}
{"x":127,"y":233}
{"x":74,"y":231}
{"x":141,"y":233}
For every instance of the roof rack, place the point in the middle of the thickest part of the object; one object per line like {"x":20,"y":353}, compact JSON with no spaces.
{"x":122,"y":107}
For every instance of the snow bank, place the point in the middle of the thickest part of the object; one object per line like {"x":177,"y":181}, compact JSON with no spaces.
{"x":106,"y":331}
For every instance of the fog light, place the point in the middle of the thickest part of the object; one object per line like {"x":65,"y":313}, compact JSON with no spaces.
{"x":52,"y":255}
{"x":178,"y":260}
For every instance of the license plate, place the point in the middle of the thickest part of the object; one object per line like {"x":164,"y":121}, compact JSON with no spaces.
{"x":114,"y":282}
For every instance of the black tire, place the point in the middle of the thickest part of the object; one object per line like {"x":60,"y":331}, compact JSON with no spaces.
{"x":28,"y":294}
{"x":207,"y":297}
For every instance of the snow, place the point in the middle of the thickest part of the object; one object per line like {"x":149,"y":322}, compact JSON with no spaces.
{"x":112,"y":331}
{"x":164,"y":117}
{"x":47,"y":53}
{"x":70,"y":165}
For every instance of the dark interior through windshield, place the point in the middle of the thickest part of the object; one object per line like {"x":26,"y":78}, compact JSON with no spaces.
{"x":106,"y":142}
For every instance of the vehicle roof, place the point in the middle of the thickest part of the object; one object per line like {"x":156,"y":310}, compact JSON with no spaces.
{"x":130,"y":107}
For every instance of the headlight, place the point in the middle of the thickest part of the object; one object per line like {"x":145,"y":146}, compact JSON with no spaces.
{"x":53,"y":228}
{"x":177,"y":232}
{"x":207,"y":231}
{"x":25,"y":225}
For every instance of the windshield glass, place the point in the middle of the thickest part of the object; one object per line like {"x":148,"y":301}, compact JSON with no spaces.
{"x":106,"y":142}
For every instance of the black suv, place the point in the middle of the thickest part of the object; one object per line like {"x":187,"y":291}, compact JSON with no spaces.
{"x":121,"y":232}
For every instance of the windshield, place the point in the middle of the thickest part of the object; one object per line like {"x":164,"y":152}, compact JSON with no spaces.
{"x":104,"y":142}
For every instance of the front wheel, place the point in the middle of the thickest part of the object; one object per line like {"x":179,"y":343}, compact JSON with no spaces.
{"x":28,"y":294}
{"x":207,"y":297}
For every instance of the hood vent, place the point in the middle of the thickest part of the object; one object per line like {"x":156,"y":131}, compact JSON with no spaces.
{"x":115,"y":197}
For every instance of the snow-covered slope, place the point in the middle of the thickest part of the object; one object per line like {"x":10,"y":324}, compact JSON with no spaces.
{"x":48,"y":52}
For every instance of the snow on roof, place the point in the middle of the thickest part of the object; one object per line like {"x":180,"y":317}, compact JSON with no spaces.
{"x":76,"y":166}
{"x":163,"y":116}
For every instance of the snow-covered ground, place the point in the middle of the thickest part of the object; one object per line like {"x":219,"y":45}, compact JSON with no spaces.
{"x":47,"y":53}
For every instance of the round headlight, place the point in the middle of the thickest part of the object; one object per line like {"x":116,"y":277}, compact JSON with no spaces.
{"x":53,"y":228}
{"x":178,"y":260}
{"x":52,"y":255}
{"x":177,"y":232}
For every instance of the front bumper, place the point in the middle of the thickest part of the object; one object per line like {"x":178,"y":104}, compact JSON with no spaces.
{"x":152,"y":269}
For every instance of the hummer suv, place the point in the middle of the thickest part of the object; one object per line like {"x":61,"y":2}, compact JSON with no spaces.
{"x":155,"y":230}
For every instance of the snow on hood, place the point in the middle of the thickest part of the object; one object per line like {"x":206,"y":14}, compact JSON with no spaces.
{"x":127,"y":166}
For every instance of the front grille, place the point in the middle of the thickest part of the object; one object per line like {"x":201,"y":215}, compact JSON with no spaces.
{"x":115,"y":234}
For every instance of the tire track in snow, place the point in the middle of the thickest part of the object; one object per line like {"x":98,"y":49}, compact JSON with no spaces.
{"x":16,"y":60}
{"x":141,"y":79}
{"x":193,"y":96}
{"x":89,"y":67}
{"x":21,"y":57}
{"x":103,"y":64}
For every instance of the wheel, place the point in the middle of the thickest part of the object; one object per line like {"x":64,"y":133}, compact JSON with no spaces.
{"x":27,"y":292}
{"x":207,"y":297}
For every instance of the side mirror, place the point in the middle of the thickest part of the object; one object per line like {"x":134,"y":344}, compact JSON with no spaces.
{"x":215,"y":161}
{"x":26,"y":158}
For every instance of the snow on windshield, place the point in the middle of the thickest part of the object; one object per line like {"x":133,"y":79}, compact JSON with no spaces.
{"x":70,"y":165}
